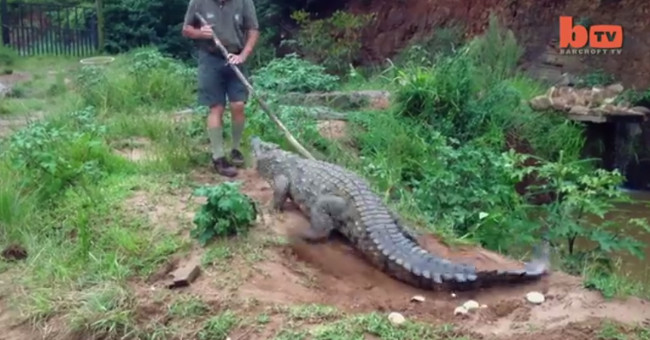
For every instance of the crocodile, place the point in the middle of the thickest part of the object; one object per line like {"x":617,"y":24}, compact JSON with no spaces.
{"x":336,"y":199}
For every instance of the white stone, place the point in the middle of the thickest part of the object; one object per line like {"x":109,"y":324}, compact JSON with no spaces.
{"x":535,"y":297}
{"x":460,"y":310}
{"x":396,"y":318}
{"x":471,"y":304}
{"x":418,"y":298}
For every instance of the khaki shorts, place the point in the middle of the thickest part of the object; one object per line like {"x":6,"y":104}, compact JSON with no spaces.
{"x":218,"y":82}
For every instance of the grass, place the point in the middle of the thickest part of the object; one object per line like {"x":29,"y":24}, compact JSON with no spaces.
{"x":92,"y":224}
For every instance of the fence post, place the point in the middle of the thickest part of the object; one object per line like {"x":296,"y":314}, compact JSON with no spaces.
{"x":100,"y":24}
{"x":4,"y":22}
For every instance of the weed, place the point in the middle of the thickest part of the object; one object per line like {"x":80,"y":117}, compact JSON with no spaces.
{"x":313,"y":313}
{"x":218,"y":327}
{"x":334,"y":41}
{"x":293,"y":74}
{"x":8,"y":59}
{"x":144,"y":78}
{"x":188,"y":307}
{"x":356,"y":327}
{"x":595,"y":78}
{"x":227,"y":212}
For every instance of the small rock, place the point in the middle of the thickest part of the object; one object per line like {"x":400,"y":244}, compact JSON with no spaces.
{"x":535,"y":297}
{"x":460,"y":310}
{"x":540,"y":103}
{"x":615,"y":88}
{"x":418,"y":298}
{"x":396,"y":318}
{"x":579,"y":110}
{"x":453,"y":295}
{"x":483,"y":306}
{"x":185,"y":275}
{"x":5,"y":91}
{"x":471,"y":304}
{"x":640,"y":109}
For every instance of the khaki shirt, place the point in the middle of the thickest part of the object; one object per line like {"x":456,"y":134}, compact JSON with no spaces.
{"x":230,"y":20}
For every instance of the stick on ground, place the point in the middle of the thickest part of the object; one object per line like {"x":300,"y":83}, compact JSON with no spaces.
{"x":263,"y":105}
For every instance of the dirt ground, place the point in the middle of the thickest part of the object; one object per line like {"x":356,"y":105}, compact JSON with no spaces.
{"x":332,"y":273}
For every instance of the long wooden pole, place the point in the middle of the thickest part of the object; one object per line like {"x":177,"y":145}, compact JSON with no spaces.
{"x":263,"y":105}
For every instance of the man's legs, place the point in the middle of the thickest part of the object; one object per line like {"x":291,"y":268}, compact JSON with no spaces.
{"x":215,"y":132}
{"x":238,"y":123}
{"x":237,"y":95}
{"x":212,"y":93}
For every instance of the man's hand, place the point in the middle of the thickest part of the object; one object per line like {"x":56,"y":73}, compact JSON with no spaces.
{"x":205,"y":32}
{"x":236,"y":59}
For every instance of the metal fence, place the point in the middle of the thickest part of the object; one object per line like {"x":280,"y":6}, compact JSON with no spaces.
{"x":47,"y":28}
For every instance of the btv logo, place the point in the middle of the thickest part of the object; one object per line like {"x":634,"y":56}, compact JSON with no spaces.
{"x":603,"y":37}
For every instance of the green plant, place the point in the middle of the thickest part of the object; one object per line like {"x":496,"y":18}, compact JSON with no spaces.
{"x":595,"y":78}
{"x":132,"y":24}
{"x":333,"y":42}
{"x":293,"y":74}
{"x":584,"y":197}
{"x":426,"y":51}
{"x":227,"y":212}
{"x":54,"y":157}
{"x":8,"y":58}
{"x":144,"y":77}
{"x":496,"y":53}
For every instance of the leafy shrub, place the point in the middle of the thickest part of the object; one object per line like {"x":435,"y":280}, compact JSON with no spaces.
{"x":227,"y":212}
{"x":293,"y":74}
{"x":595,"y":78}
{"x":8,"y":58}
{"x":424,"y":52}
{"x":583,"y":194}
{"x":131,"y":24}
{"x":55,"y":157}
{"x":436,"y":95}
{"x":469,"y":189}
{"x":496,"y":53}
{"x":144,"y":78}
{"x":333,"y":42}
{"x":302,"y":126}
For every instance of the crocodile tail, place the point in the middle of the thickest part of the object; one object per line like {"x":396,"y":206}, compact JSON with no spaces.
{"x":533,"y":270}
{"x":406,"y":261}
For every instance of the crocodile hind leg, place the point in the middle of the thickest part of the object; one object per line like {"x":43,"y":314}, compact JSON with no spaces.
{"x":323,"y":215}
{"x":280,"y":191}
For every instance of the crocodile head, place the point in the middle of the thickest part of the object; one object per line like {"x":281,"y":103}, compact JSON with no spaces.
{"x":267,"y":157}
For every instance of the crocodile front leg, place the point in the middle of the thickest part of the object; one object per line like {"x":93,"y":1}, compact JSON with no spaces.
{"x":323,"y":215}
{"x":280,"y":191}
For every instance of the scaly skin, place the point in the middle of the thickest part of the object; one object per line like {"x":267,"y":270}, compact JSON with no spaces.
{"x":337,"y":199}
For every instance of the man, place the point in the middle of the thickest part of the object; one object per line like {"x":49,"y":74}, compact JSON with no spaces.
{"x":235,"y":24}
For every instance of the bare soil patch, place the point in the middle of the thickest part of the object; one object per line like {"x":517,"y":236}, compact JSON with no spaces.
{"x":11,"y":123}
{"x":333,"y":273}
{"x":332,"y":129}
{"x":264,"y":275}
{"x":14,"y":78}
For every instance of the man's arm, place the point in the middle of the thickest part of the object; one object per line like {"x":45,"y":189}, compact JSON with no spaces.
{"x":189,"y":29}
{"x":252,"y":26}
